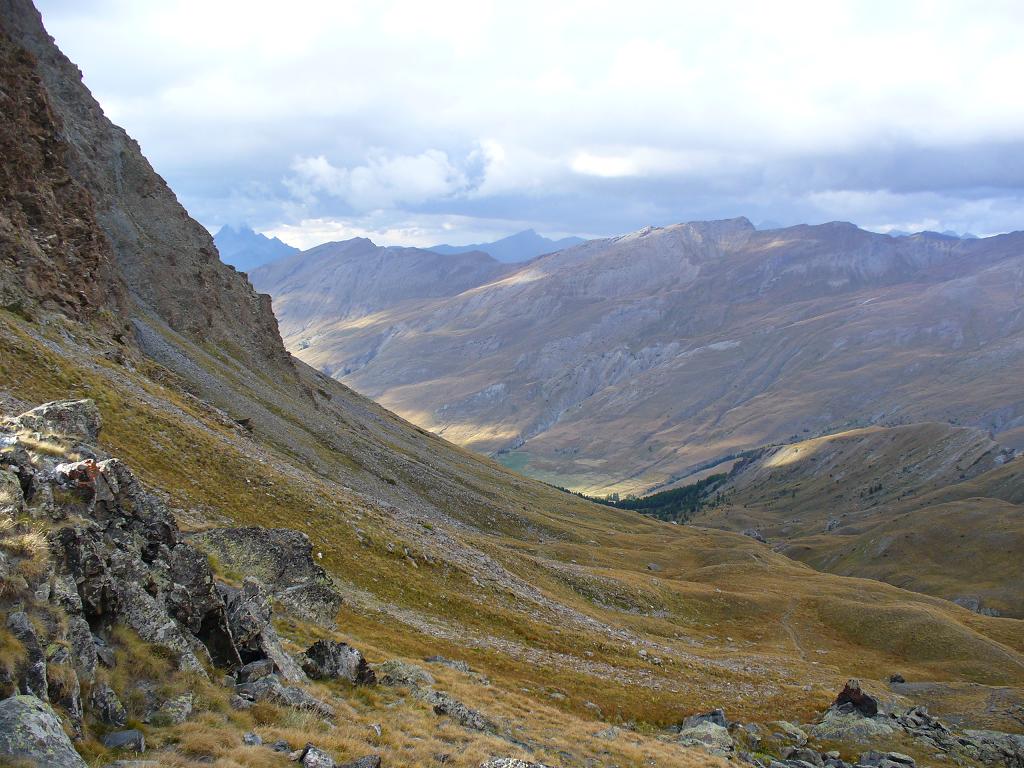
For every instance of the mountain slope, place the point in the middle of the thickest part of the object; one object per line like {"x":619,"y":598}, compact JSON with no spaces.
{"x":928,"y":507}
{"x":521,"y":246}
{"x":625,"y":364}
{"x":436,"y":550}
{"x":245,"y":249}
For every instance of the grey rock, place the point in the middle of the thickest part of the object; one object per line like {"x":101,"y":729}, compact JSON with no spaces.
{"x":254,"y":670}
{"x":455,"y":664}
{"x":32,"y":671}
{"x":511,"y":762}
{"x":248,"y":615}
{"x":282,"y":560}
{"x":467,"y":717}
{"x":367,"y":761}
{"x":251,"y":739}
{"x":312,"y":757}
{"x":755,"y":534}
{"x":269,"y":688}
{"x":30,"y":730}
{"x":281,"y":746}
{"x":174,"y":711}
{"x":716,"y":716}
{"x":107,"y":706}
{"x":709,"y":735}
{"x":77,"y":419}
{"x":400,"y":673}
{"x":131,"y":739}
{"x":331,"y":660}
{"x":851,"y":726}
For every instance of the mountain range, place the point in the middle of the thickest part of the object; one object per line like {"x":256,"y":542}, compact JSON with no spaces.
{"x":244,"y":249}
{"x":625,"y":364}
{"x":521,"y":246}
{"x":212,"y":553}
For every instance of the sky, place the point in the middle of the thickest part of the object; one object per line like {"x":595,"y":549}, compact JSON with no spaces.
{"x":416,"y":123}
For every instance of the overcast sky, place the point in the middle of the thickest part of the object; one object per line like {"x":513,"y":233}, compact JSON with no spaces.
{"x":424,"y":122}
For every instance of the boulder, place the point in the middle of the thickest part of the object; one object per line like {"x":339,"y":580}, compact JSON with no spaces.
{"x":445,"y":704}
{"x":106,"y":706}
{"x":854,"y":696}
{"x":254,"y":670}
{"x":30,"y":731}
{"x":131,"y":740}
{"x":76,"y":419}
{"x":511,"y":762}
{"x":709,"y":735}
{"x":251,"y":739}
{"x":174,"y":711}
{"x":367,"y":761}
{"x":331,"y":660}
{"x":282,"y":560}
{"x":850,"y":726}
{"x":269,"y":688}
{"x":248,"y":617}
{"x":312,"y":757}
{"x":400,"y":673}
{"x":716,"y":716}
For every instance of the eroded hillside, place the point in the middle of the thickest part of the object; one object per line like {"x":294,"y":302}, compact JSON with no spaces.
{"x":625,"y":364}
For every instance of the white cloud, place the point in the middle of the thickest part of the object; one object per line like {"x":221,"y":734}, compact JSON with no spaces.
{"x":382,"y":182}
{"x":567,"y":115}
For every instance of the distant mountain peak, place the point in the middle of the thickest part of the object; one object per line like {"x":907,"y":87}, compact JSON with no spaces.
{"x":245,"y":249}
{"x":522,"y":246}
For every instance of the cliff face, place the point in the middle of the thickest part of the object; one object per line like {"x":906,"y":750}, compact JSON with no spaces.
{"x":53,"y":253}
{"x":166,"y":260}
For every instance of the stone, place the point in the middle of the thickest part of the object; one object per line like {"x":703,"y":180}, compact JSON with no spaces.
{"x":455,"y":664}
{"x":709,"y":735}
{"x":251,"y":739}
{"x":248,"y":616}
{"x":77,"y":419}
{"x":254,"y":670}
{"x":855,"y":696}
{"x":400,"y":673}
{"x":107,"y":706}
{"x":511,"y":762}
{"x":270,"y":688}
{"x":850,"y":726}
{"x":131,"y":740}
{"x":313,"y":757}
{"x":331,"y":660}
{"x":31,"y":731}
{"x":65,"y":690}
{"x":367,"y":761}
{"x":32,"y":671}
{"x":803,"y":754}
{"x":281,"y":746}
{"x":755,"y":534}
{"x":174,"y":711}
{"x":897,"y":678}
{"x":467,"y":717}
{"x":716,"y":716}
{"x":282,"y":560}
{"x":791,"y":732}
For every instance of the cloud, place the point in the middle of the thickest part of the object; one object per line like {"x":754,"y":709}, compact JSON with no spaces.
{"x":382,"y":182}
{"x":581,"y":116}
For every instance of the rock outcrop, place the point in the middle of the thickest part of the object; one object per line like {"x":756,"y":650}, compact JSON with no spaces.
{"x":282,"y":559}
{"x":31,"y":731}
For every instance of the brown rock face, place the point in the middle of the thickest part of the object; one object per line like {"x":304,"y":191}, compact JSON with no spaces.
{"x":109,"y":211}
{"x":53,"y":254}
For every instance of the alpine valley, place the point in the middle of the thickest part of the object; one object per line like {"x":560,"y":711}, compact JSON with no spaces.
{"x":215,"y":553}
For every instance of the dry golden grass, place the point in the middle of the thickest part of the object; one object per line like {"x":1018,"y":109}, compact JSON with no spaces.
{"x":735,"y":624}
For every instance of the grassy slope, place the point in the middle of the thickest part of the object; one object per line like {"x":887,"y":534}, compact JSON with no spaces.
{"x":925,"y":507}
{"x":538,"y":589}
